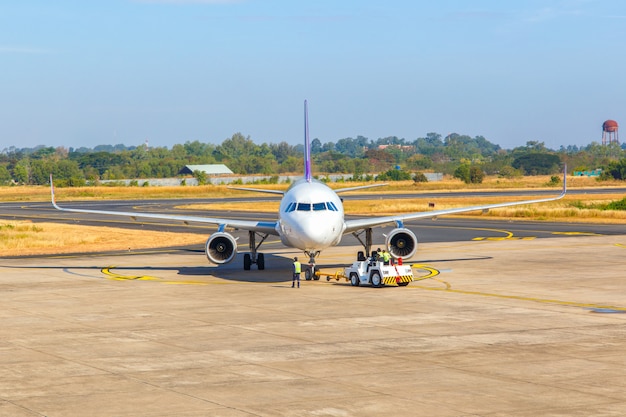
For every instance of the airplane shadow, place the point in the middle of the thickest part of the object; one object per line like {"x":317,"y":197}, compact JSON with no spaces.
{"x":473,"y":258}
{"x":278,"y":268}
{"x":141,"y":272}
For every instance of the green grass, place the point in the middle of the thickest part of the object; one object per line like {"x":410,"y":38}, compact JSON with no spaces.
{"x":603,"y":206}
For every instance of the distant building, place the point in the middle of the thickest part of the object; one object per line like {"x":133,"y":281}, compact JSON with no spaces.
{"x":403,"y":148}
{"x":592,"y":173}
{"x":211,"y":169}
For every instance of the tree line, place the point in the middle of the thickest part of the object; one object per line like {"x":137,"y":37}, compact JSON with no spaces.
{"x":465,"y":157}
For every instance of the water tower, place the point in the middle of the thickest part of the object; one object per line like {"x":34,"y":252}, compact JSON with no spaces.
{"x":610,"y":132}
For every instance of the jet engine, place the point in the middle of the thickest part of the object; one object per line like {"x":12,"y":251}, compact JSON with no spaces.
{"x":221,"y":248}
{"x":401,"y":243}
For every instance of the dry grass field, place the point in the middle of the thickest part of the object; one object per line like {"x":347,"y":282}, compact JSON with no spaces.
{"x":24,"y":238}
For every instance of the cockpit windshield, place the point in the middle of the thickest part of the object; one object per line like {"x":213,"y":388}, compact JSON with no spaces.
{"x":329,"y":205}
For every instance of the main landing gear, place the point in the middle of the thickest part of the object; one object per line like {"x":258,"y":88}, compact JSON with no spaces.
{"x":253,"y":257}
{"x":367,"y":245}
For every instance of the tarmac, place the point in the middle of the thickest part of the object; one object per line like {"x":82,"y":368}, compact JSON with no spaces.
{"x":509,"y":327}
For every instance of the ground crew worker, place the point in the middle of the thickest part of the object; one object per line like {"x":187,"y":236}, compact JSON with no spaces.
{"x":372,"y":260}
{"x":297,"y":269}
{"x":376,"y":255}
{"x":386,"y":257}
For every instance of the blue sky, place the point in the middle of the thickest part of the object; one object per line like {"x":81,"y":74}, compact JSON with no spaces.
{"x":83,"y":73}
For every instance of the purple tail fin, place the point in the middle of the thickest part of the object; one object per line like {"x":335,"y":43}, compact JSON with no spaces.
{"x":307,"y":144}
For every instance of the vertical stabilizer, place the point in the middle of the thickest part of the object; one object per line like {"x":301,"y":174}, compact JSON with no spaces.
{"x":307,"y":144}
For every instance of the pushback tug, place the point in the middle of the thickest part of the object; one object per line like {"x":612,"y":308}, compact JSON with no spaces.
{"x":375,"y":273}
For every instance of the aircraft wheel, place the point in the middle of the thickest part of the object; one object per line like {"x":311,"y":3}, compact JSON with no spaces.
{"x":260,"y":261}
{"x":247,"y":261}
{"x":375,"y":279}
{"x":307,"y":274}
{"x":354,"y":279}
{"x":315,"y":276}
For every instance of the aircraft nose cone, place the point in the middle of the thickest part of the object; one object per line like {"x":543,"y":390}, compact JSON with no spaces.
{"x":317,"y":231}
{"x":316,"y":234}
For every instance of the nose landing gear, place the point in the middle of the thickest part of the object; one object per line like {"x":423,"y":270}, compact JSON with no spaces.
{"x":310,"y":272}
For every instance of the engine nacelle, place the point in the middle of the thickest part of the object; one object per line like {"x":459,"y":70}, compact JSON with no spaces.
{"x":221,"y":248}
{"x":401,"y":243}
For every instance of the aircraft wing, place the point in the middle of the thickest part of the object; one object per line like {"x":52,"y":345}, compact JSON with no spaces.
{"x":341,"y":190}
{"x":258,"y":190}
{"x":361,"y":187}
{"x":358,"y":224}
{"x":255,"y":226}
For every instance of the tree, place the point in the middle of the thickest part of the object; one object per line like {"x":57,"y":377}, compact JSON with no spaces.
{"x":470,"y":174}
{"x":40,"y":170}
{"x":282,"y":151}
{"x":532,"y":146}
{"x":101,"y":161}
{"x":536,"y":163}
{"x":200,"y":176}
{"x":476,"y":175}
{"x":5,"y":175}
{"x":463,"y":173}
{"x":394,"y":175}
{"x":351,"y":147}
{"x":509,"y":172}
{"x":420,"y":177}
{"x":357,"y":156}
{"x":379,"y":160}
{"x":67,"y":171}
{"x":463,"y":146}
{"x":199,"y":153}
{"x":235,"y":147}
{"x":615,"y":170}
{"x":316,"y":146}
{"x":418,"y":161}
{"x":291,"y":164}
{"x":21,"y":172}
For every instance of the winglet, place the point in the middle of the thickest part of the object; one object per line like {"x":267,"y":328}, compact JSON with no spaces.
{"x":52,"y":197}
{"x":564,"y":180}
{"x":307,"y":144}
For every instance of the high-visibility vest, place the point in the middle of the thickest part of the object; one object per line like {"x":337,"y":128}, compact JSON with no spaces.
{"x":386,"y":256}
{"x":297,"y":268}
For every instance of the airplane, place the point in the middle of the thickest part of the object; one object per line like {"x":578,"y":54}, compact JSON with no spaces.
{"x":310,"y":218}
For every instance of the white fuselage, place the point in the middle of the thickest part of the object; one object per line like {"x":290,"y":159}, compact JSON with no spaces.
{"x":310,"y":217}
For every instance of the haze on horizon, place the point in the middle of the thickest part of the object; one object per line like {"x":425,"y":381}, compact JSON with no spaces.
{"x":82,"y":74}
